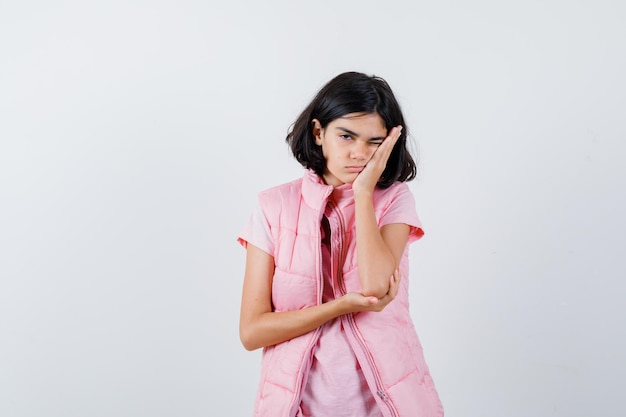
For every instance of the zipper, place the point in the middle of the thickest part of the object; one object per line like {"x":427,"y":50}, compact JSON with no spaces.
{"x":380,"y":391}
{"x":306,"y":364}
{"x":341,"y":286}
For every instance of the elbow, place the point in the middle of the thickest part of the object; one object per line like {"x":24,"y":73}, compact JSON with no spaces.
{"x":378,"y":290}
{"x":248,"y":344}
{"x":376,"y":281}
{"x":248,"y":340}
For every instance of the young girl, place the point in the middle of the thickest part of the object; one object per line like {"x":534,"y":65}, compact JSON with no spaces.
{"x":325,"y":291}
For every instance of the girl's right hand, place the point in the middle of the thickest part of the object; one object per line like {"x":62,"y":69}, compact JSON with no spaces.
{"x":355,"y":302}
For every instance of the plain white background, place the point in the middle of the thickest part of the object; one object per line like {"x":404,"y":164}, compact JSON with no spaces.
{"x":135,"y":135}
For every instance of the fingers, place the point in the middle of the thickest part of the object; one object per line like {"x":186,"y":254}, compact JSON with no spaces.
{"x":393,"y":136}
{"x":385,"y":148}
{"x":394,"y":286}
{"x":360,"y":302}
{"x":395,"y":283}
{"x":372,"y":301}
{"x":377,"y":163}
{"x":395,"y":133}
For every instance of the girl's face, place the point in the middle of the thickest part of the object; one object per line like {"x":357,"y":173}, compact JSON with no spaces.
{"x":347,"y":144}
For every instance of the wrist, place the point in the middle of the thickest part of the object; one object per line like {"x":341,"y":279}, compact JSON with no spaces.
{"x":341,"y":307}
{"x":362,"y":193}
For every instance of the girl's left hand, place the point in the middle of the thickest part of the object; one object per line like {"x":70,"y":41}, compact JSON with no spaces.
{"x":367,"y":179}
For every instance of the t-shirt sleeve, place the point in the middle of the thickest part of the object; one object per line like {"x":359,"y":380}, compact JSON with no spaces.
{"x":402,"y":210}
{"x":257,"y":232}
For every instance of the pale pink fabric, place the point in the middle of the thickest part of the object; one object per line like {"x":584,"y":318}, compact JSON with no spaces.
{"x":336,"y":385}
{"x":287,"y":227}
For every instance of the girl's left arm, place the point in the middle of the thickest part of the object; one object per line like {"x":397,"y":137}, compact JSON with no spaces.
{"x":378,"y":249}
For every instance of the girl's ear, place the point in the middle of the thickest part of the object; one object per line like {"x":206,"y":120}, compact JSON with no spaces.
{"x":316,"y":127}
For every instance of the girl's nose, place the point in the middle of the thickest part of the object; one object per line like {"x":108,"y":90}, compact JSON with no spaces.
{"x":359,"y":151}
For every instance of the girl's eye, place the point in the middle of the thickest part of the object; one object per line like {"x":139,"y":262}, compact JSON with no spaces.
{"x":376,"y":142}
{"x":345,"y":137}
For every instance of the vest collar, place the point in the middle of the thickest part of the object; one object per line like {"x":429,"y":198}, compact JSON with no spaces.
{"x":316,"y":193}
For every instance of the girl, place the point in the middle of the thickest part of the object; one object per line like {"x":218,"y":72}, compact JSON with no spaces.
{"x":325,"y":291}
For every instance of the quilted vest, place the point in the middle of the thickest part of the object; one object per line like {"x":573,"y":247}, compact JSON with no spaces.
{"x":385,"y":343}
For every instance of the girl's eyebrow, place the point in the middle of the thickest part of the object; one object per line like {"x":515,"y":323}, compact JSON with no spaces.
{"x":351,"y":133}
{"x":348,"y":131}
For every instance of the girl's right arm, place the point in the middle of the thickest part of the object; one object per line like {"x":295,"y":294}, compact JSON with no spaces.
{"x":259,"y":326}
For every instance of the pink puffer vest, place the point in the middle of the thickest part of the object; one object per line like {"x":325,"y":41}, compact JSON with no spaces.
{"x":385,"y":344}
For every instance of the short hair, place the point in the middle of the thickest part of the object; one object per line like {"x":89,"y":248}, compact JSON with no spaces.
{"x":352,"y":92}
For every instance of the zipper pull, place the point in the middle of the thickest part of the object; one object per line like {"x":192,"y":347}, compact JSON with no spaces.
{"x":382,"y":395}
